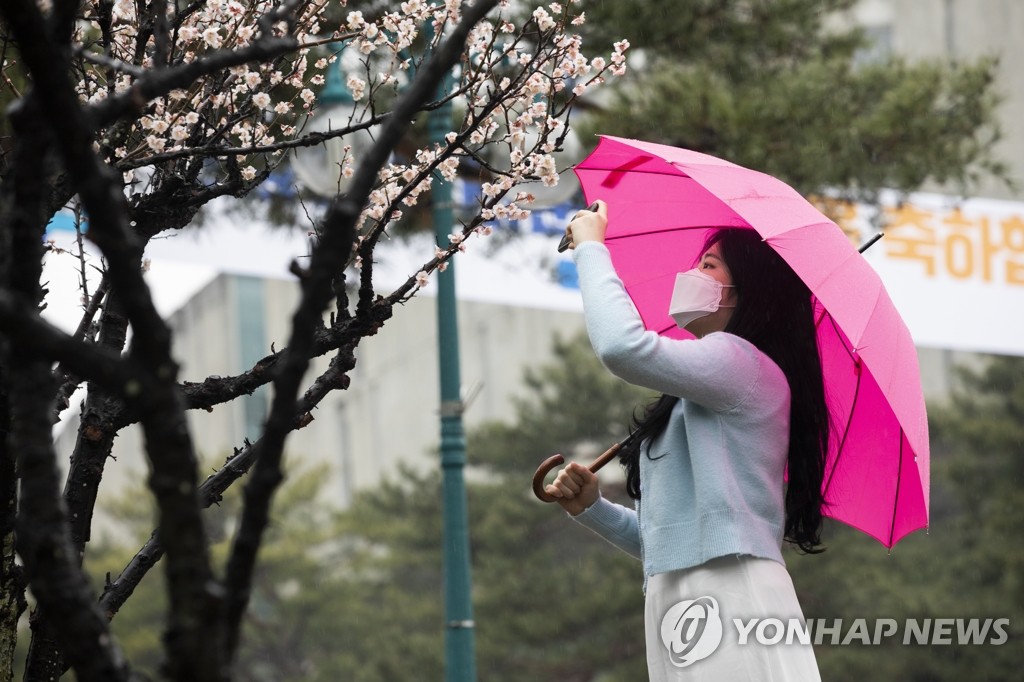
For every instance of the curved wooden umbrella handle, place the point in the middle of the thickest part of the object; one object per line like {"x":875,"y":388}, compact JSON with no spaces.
{"x":541,"y":473}
{"x":553,"y":461}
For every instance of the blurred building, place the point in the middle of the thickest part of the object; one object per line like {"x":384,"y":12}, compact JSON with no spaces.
{"x":964,"y":31}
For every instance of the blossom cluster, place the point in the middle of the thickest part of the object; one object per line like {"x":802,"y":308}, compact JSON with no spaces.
{"x":516,"y":96}
{"x":512,"y":91}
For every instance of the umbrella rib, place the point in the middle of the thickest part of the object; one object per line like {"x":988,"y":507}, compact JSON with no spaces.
{"x":632,"y":171}
{"x":842,"y":442}
{"x":631,"y":235}
{"x":849,"y":351}
{"x":896,"y":497}
{"x":821,"y":317}
{"x":849,"y":420}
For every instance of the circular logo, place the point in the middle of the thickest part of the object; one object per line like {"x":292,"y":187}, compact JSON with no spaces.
{"x":691,"y":630}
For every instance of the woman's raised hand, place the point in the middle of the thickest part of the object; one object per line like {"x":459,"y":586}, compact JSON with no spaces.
{"x":575,"y":488}
{"x":589,"y":225}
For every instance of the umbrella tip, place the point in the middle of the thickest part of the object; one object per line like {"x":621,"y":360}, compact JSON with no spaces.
{"x":866,"y":245}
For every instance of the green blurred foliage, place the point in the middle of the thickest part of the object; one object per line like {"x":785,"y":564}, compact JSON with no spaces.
{"x":280,"y":628}
{"x":968,"y":564}
{"x":768,"y":85}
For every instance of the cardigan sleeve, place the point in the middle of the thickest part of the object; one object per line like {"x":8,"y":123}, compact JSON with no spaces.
{"x":718,"y":371}
{"x":613,"y":522}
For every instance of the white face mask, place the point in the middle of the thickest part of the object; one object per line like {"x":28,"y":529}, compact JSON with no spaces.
{"x":695,"y":295}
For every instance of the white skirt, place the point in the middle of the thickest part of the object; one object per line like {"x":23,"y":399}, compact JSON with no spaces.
{"x":692,"y":630}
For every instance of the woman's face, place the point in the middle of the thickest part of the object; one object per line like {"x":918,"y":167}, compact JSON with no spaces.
{"x":712,"y":265}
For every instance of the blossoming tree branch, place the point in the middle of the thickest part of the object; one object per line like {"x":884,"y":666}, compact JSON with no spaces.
{"x":137,"y":115}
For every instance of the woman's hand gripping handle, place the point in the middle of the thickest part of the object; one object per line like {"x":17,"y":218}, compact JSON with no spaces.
{"x":576,"y":486}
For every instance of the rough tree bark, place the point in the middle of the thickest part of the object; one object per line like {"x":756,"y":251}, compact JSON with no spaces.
{"x":41,"y":526}
{"x":12,"y":585}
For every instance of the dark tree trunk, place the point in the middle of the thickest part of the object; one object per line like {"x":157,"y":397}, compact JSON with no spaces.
{"x":12,"y":586}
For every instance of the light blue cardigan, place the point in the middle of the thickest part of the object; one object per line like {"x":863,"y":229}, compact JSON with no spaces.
{"x":713,"y":484}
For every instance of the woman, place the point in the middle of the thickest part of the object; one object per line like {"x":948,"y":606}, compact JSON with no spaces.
{"x":742,"y":406}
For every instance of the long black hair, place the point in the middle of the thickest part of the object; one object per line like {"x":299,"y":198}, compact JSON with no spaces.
{"x":774,"y":311}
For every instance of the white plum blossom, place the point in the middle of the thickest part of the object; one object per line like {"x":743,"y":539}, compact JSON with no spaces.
{"x":355,"y":20}
{"x":124,"y":10}
{"x":449,"y":168}
{"x":545,"y":167}
{"x":544,"y":20}
{"x":261,"y":100}
{"x":211,"y":36}
{"x":357,"y":86}
{"x":618,"y":58}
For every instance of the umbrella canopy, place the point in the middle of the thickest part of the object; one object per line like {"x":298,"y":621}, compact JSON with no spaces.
{"x":662,"y":201}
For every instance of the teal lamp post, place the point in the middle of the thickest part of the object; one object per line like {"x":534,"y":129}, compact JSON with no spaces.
{"x":460,"y":656}
{"x":318,"y":168}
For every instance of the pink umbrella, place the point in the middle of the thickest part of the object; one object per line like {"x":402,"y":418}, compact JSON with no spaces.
{"x":661,"y":203}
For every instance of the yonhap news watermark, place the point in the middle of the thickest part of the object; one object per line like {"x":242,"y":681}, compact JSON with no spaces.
{"x":693,"y":629}
{"x":872,"y":632}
